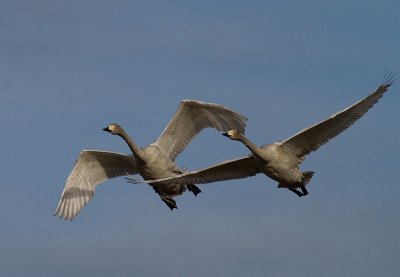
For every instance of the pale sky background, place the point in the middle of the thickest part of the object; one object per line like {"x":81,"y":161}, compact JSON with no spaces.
{"x":69,"y":68}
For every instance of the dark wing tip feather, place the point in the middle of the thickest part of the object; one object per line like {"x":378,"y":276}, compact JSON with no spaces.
{"x":388,"y":79}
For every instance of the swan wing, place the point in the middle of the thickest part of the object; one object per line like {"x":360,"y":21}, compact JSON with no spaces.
{"x":90,"y":169}
{"x":227,"y":170}
{"x":311,"y":138}
{"x":190,"y":118}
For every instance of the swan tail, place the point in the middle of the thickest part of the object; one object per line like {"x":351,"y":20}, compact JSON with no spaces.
{"x":306,"y":178}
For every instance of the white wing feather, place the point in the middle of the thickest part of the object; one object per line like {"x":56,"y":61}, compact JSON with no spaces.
{"x":227,"y":170}
{"x":311,"y":138}
{"x":90,"y":169}
{"x":190,"y":118}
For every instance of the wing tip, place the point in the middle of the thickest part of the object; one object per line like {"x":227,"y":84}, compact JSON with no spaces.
{"x":388,"y":79}
{"x":64,"y":216}
{"x":198,"y":102}
{"x":63,"y":211}
{"x":58,"y":214}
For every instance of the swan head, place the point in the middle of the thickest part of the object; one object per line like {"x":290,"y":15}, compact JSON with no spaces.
{"x":232,"y":134}
{"x":113,"y":128}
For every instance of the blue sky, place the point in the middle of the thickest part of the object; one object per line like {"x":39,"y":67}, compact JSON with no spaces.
{"x":69,"y":68}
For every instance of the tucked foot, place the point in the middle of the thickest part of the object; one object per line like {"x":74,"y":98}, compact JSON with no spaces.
{"x":169,"y":201}
{"x":299,"y":194}
{"x":304,"y":190}
{"x":194,"y":189}
{"x":156,"y":190}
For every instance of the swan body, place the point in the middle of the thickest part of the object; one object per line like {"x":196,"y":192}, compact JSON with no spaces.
{"x":277,"y":163}
{"x":155,"y":161}
{"x":280,"y":160}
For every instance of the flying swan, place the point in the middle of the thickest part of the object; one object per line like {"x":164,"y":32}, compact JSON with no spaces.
{"x":154,"y":161}
{"x":280,"y":160}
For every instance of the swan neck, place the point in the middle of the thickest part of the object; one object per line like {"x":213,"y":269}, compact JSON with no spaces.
{"x":135,"y":150}
{"x":250,"y":145}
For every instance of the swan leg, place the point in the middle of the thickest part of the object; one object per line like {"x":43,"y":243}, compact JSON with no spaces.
{"x":166,"y":199}
{"x":169,"y":201}
{"x":298,"y":193}
{"x":304,"y":190}
{"x":194,"y":189}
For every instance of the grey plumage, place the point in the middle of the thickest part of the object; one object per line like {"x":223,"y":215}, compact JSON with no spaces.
{"x":152,"y":162}
{"x":280,"y":160}
{"x":90,"y":169}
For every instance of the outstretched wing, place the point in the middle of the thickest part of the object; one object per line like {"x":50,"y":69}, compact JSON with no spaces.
{"x":311,"y":138}
{"x":190,"y":118}
{"x":227,"y":170}
{"x":90,"y":169}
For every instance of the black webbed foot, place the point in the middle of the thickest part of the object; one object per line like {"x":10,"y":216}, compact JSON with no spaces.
{"x":169,"y":201}
{"x":298,"y":193}
{"x":156,"y":190}
{"x":194,"y":189}
{"x":304,"y":190}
